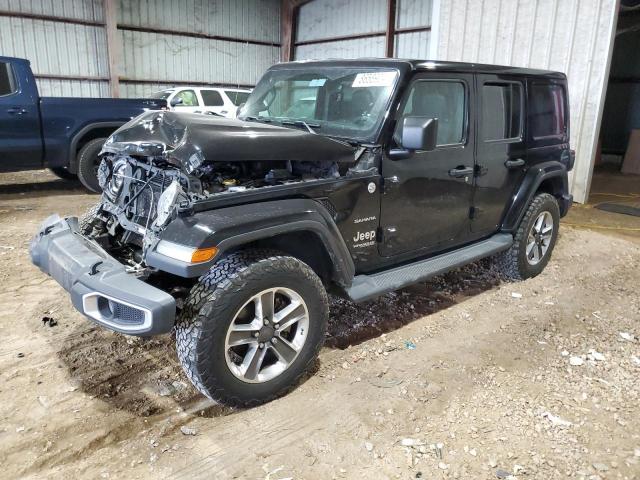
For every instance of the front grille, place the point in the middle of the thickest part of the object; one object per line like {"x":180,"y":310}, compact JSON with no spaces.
{"x":144,"y":208}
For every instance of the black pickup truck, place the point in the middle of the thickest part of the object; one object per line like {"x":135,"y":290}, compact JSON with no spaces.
{"x":63,"y":134}
{"x":354,"y":177}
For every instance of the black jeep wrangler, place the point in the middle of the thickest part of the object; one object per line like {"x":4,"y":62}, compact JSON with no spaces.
{"x":356,"y":177}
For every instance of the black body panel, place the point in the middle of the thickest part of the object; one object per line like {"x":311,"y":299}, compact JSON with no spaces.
{"x":231,"y":227}
{"x":425,"y":208}
{"x":500,"y":164}
{"x":189,"y":139}
{"x":551,"y":171}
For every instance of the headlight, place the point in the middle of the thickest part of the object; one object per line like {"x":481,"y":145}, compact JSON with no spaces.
{"x":167,"y":203}
{"x":117,"y":178}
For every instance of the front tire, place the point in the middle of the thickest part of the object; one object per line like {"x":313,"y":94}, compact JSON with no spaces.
{"x":88,"y":163}
{"x":252,"y":327}
{"x":534,"y":240}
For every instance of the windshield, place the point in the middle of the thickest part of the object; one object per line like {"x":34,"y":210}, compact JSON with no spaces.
{"x":163,"y":94}
{"x":336,"y":101}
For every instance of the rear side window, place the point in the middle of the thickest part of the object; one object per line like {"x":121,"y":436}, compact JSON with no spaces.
{"x":7,"y":80}
{"x":501,"y":111}
{"x":547,"y":115}
{"x":212,"y":98}
{"x":238,"y":98}
{"x":444,"y":100}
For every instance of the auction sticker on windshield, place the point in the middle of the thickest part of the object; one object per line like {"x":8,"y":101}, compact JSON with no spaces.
{"x":374,"y":79}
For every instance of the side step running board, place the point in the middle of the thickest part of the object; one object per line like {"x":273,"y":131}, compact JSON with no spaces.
{"x":365,"y":287}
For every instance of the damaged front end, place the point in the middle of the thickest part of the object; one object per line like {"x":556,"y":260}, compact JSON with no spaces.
{"x":187,"y":158}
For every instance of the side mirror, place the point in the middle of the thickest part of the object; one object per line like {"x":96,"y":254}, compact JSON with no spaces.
{"x":419,"y":133}
{"x":176,"y":101}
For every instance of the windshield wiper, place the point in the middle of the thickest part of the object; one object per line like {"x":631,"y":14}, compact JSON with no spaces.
{"x":301,"y":123}
{"x":257,"y":119}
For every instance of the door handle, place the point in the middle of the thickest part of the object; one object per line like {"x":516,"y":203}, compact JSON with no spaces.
{"x":461,"y":172}
{"x":519,"y":162}
{"x":17,"y":111}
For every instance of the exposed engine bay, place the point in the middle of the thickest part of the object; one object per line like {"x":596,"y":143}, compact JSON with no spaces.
{"x":190,"y":158}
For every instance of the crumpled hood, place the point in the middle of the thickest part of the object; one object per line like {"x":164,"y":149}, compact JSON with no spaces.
{"x":189,"y":139}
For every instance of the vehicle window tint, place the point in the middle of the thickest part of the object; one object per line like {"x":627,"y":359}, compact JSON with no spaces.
{"x":501,"y":111}
{"x":7,"y":82}
{"x":237,"y":98}
{"x":444,"y":100}
{"x":188,"y":97}
{"x":547,"y":110}
{"x":212,"y":98}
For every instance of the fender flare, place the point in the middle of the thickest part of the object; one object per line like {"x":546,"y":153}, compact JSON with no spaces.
{"x":79,"y":135}
{"x":528,"y":187}
{"x":232,"y":227}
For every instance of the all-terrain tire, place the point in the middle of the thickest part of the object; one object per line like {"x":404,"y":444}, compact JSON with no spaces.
{"x":211,"y":306}
{"x":63,"y":173}
{"x":513,"y":262}
{"x":88,"y":164}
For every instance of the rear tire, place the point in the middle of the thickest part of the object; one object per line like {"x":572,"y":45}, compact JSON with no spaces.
{"x":219,"y":331}
{"x":88,"y":163}
{"x":531,"y":250}
{"x":63,"y":173}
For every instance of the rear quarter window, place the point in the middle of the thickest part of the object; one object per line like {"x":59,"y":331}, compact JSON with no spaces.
{"x":547,"y":111}
{"x":501,"y":111}
{"x":237,"y":98}
{"x":212,"y":98}
{"x":7,"y":80}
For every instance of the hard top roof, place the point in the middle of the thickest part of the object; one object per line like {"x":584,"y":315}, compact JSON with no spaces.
{"x":423,"y":65}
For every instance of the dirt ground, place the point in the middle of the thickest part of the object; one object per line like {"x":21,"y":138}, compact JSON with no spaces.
{"x":465,"y":376}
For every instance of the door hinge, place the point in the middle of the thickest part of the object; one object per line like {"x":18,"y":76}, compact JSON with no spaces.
{"x":473,"y":212}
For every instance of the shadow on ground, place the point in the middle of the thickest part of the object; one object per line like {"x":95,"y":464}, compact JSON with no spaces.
{"x":143,"y":376}
{"x":45,"y":188}
{"x":351,"y":323}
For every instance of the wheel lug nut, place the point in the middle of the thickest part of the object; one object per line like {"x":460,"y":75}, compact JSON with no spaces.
{"x":274,"y":340}
{"x":256,"y":334}
{"x":261,"y":345}
{"x":266,"y":322}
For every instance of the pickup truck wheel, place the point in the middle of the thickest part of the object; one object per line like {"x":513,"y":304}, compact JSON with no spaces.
{"x":62,"y":172}
{"x":534,"y":240}
{"x":252,"y":327}
{"x":88,"y":163}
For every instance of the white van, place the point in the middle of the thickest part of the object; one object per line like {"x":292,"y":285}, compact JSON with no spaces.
{"x":220,"y":101}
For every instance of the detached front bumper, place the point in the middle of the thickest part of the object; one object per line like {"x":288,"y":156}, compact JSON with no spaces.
{"x":99,"y":285}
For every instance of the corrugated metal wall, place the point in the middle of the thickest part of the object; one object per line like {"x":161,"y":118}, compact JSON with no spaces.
{"x":572,"y":36}
{"x":165,"y":58}
{"x":413,"y":13}
{"x":56,"y":48}
{"x":327,"y":19}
